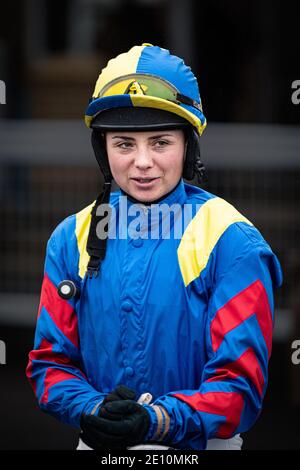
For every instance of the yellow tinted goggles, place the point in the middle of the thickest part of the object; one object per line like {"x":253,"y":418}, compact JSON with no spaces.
{"x":148,"y":85}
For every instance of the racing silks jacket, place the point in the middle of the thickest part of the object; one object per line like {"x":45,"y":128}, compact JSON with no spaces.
{"x":186,"y":317}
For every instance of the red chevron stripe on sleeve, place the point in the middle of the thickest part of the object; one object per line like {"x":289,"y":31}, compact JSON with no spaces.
{"x":251,"y":301}
{"x":61,"y":312}
{"x":52,"y":377}
{"x":218,"y":403}
{"x":45,"y":353}
{"x":246,"y":365}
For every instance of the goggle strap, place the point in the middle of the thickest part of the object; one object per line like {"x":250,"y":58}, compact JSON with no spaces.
{"x":188,"y":101}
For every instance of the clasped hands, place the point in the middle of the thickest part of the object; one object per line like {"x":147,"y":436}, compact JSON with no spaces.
{"x":120,"y":422}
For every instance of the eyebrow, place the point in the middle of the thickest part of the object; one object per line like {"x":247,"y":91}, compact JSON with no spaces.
{"x":132,"y":138}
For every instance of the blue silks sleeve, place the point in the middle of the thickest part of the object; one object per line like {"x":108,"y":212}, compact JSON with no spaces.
{"x":238,"y":335}
{"x":54,"y":368}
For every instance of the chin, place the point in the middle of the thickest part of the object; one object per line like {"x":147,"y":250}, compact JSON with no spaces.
{"x":145,"y":197}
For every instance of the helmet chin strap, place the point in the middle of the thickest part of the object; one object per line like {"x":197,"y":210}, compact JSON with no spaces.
{"x":185,"y":151}
{"x":96,"y":247}
{"x":193,"y":166}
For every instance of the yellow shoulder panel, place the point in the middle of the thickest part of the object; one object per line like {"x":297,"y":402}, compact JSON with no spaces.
{"x":202,"y":235}
{"x":83,"y":221}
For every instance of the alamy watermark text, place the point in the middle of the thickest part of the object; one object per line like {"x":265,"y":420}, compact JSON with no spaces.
{"x":148,"y":222}
{"x":296,"y":94}
{"x":2,"y":92}
{"x":296,"y":353}
{"x":2,"y":352}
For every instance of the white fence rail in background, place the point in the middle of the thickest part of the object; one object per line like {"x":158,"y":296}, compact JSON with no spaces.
{"x":239,"y":145}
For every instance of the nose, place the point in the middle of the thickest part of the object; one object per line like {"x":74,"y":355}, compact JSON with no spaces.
{"x":143,"y":159}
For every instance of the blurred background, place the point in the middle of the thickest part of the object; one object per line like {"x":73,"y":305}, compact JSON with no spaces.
{"x":246,"y":56}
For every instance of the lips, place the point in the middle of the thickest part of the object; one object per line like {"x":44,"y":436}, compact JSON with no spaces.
{"x":144,"y":180}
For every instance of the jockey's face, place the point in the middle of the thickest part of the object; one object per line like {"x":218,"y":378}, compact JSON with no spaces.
{"x":146,"y":165}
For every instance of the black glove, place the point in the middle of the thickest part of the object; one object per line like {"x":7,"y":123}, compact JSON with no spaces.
{"x":119,"y":424}
{"x":121,"y":392}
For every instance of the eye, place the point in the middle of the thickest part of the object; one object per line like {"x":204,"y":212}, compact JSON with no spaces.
{"x":124,"y":145}
{"x":161,"y":143}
